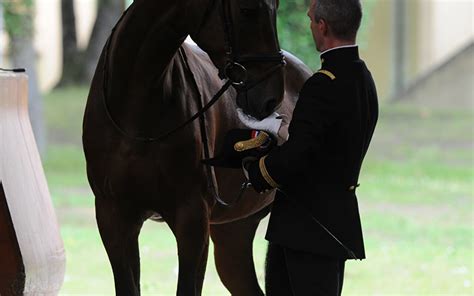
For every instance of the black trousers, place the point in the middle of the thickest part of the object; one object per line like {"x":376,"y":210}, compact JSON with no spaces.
{"x":296,"y":273}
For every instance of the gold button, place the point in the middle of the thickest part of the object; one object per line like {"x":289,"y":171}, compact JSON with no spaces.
{"x":239,"y":146}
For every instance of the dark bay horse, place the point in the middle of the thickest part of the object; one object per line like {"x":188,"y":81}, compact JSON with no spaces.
{"x":147,"y":82}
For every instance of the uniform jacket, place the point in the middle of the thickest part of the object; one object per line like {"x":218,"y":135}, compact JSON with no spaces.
{"x":317,"y":169}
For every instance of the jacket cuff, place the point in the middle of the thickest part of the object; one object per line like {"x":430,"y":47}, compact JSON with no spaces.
{"x":265,"y":174}
{"x":260,"y":178}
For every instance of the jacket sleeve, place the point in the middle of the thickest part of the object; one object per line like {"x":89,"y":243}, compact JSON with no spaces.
{"x":318,"y":108}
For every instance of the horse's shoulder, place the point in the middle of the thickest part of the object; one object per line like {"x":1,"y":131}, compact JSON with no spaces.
{"x":294,"y":64}
{"x":195,"y":53}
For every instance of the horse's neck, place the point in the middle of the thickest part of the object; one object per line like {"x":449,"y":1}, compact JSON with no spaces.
{"x":148,"y":36}
{"x":142,"y":60}
{"x":143,"y":43}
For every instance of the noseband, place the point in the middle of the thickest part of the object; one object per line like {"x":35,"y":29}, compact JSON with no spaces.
{"x":234,"y":69}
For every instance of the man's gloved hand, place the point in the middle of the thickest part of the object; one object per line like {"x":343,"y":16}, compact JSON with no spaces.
{"x":252,"y":172}
{"x":275,"y":124}
{"x":239,"y":144}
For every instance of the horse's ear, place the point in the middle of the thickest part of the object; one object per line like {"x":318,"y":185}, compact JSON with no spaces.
{"x":277,"y":3}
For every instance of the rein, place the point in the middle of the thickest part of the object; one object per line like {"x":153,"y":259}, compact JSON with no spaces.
{"x":240,"y":82}
{"x":212,"y":182}
{"x":165,"y":135}
{"x":234,"y":63}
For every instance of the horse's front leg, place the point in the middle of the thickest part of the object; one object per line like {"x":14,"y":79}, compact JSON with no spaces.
{"x":119,"y":228}
{"x":191,"y":228}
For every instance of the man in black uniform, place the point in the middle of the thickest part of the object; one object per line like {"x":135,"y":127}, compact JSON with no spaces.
{"x":314,"y":226}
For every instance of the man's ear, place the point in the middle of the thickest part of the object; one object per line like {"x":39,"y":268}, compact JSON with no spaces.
{"x":323,"y":27}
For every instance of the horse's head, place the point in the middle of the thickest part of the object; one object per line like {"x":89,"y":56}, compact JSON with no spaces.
{"x":240,"y":38}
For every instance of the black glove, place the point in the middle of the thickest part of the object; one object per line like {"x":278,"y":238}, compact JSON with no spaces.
{"x":255,"y":177}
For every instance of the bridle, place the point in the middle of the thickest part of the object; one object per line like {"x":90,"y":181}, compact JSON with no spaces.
{"x":234,"y":64}
{"x":235,"y":61}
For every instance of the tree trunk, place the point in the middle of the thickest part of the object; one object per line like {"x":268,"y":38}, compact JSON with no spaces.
{"x":109,"y":11}
{"x":79,"y":66}
{"x":23,"y":55}
{"x":400,"y":49}
{"x":20,"y":28}
{"x":72,"y":58}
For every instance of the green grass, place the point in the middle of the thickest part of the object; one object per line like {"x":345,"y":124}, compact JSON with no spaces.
{"x":64,"y":110}
{"x":88,"y":271}
{"x":416,"y":202}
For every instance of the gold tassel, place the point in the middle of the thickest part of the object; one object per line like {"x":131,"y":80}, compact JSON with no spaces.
{"x":258,"y":141}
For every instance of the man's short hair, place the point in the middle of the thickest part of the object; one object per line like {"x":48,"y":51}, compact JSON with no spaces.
{"x":342,"y":16}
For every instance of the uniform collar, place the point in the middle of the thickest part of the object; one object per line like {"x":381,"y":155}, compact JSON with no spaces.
{"x":340,"y":54}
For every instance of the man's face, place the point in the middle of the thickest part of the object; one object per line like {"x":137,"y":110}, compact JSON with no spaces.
{"x":315,"y":29}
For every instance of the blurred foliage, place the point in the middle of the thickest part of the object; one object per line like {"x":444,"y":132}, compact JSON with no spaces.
{"x":295,"y":34}
{"x":18,"y":15}
{"x":367,"y":17}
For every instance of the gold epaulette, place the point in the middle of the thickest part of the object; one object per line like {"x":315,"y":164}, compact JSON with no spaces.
{"x":258,"y":141}
{"x":265,"y":174}
{"x":327,"y":73}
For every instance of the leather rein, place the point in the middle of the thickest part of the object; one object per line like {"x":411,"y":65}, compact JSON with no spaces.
{"x":233,"y":64}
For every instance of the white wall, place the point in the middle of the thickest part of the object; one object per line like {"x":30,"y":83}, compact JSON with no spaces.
{"x":448,"y":26}
{"x":452,"y":26}
{"x":48,"y":36}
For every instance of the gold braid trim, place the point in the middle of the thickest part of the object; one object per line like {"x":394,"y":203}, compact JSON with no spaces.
{"x":265,"y":174}
{"x":327,"y":73}
{"x":252,"y":143}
